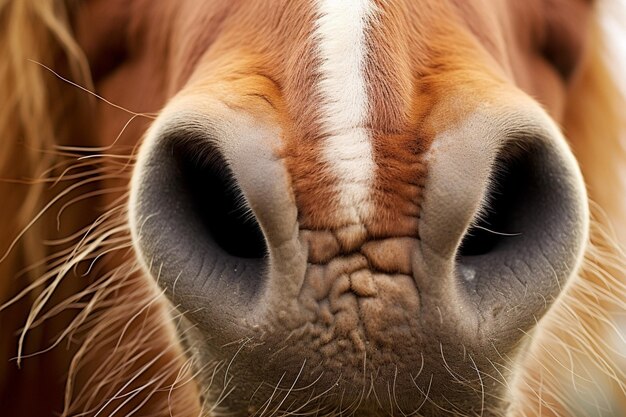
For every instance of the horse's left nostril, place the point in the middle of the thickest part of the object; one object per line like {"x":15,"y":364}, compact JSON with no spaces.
{"x":504,"y":219}
{"x":208,"y":183}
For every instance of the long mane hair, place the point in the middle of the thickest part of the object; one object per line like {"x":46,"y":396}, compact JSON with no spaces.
{"x":86,"y":333}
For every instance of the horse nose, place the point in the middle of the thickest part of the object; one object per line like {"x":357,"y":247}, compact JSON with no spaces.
{"x":501,"y":221}
{"x":501,"y":228}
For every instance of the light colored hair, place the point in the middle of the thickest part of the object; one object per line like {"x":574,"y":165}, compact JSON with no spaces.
{"x":127,"y":357}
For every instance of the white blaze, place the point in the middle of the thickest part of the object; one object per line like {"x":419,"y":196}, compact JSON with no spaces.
{"x":341,"y":42}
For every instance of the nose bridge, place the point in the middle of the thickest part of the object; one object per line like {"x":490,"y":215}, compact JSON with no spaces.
{"x":397,"y":169}
{"x":429,"y":181}
{"x":398,"y":174}
{"x":361,"y":175}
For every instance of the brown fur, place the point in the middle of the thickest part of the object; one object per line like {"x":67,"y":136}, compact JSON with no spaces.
{"x":89,"y":322}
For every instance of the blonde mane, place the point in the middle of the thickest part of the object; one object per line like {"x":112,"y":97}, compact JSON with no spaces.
{"x":35,"y":31}
{"x":84,"y":313}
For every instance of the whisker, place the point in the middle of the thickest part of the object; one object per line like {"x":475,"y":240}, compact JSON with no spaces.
{"x":80,"y":87}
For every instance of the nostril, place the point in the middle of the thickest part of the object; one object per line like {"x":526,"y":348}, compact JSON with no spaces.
{"x":191,"y":223}
{"x":506,"y":204}
{"x":210,"y":214}
{"x":218,"y":202}
{"x":527,"y":239}
{"x":504,"y":219}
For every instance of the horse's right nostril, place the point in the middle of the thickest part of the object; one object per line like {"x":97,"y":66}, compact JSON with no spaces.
{"x":193,"y":225}
{"x":209,"y":185}
{"x":210,"y":211}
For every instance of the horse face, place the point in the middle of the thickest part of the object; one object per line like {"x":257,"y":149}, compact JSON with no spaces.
{"x":361,"y":206}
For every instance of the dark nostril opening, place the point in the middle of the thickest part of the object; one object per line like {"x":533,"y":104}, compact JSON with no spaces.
{"x":218,"y":202}
{"x":515,"y":259}
{"x":505,"y":206}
